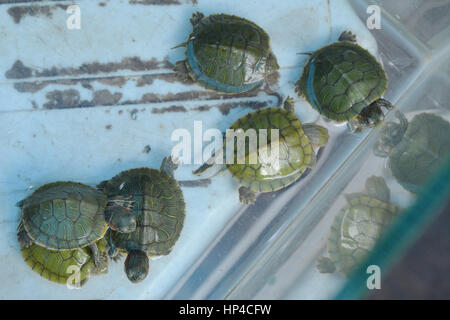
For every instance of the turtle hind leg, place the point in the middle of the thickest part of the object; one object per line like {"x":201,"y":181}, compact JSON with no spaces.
{"x":23,"y":237}
{"x":246,"y":196}
{"x":182,"y":73}
{"x":318,"y":135}
{"x":347,"y":35}
{"x":325,"y":265}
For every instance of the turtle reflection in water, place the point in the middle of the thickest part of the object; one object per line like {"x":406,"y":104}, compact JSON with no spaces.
{"x":415,"y":150}
{"x":156,"y":200}
{"x":358,"y":226}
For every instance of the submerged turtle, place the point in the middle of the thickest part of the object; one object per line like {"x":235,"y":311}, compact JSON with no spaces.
{"x":295,"y":141}
{"x":159,"y":208}
{"x":344,"y":82}
{"x":226,"y":53}
{"x":65,"y":266}
{"x":358,"y":226}
{"x":70,"y":215}
{"x":416,"y":150}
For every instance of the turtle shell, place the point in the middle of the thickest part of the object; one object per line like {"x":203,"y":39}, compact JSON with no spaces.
{"x":229,"y":54}
{"x":421,"y":151}
{"x":356,"y":229}
{"x":158,"y":205}
{"x":59,"y":266}
{"x":341,"y":79}
{"x":296,"y":153}
{"x":64,"y":215}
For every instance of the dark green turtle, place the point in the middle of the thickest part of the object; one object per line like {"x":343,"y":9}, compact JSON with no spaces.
{"x":226,"y":53}
{"x":70,"y":215}
{"x":358,"y":226}
{"x":159,"y":208}
{"x":71,"y":267}
{"x":344,"y":82}
{"x":416,"y":150}
{"x":296,"y":143}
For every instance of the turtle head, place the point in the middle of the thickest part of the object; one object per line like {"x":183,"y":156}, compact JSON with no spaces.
{"x":120,"y":219}
{"x":136,"y":266}
{"x":371,"y":116}
{"x":377,"y":188}
{"x":390,"y":135}
{"x":271,"y":64}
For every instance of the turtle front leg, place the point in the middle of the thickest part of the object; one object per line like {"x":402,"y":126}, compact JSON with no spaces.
{"x":22,"y":235}
{"x":246,"y":196}
{"x":196,"y":17}
{"x":347,"y":36}
{"x":114,"y":252}
{"x":325,"y":265}
{"x":182,"y":73}
{"x":377,"y":188}
{"x":98,"y":262}
{"x":169,"y":165}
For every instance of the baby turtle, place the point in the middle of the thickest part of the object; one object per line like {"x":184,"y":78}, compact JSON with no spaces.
{"x":227,"y":54}
{"x":70,"y":215}
{"x":344,"y":82}
{"x":295,"y":141}
{"x":358,"y":226}
{"x":416,"y":150}
{"x":72,"y":267}
{"x":159,"y":208}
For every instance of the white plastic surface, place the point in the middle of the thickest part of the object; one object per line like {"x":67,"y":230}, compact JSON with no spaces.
{"x":90,"y":144}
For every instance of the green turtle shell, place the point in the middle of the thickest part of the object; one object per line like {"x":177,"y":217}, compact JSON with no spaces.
{"x":421,"y":151}
{"x":59,"y":266}
{"x":158,"y":205}
{"x":356,"y":229}
{"x":64,"y":215}
{"x":228,"y":54}
{"x":296,"y":153}
{"x":341,"y":79}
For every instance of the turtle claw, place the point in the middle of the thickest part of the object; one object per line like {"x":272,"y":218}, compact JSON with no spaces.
{"x":246,"y":196}
{"x":325,"y":265}
{"x":347,"y":36}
